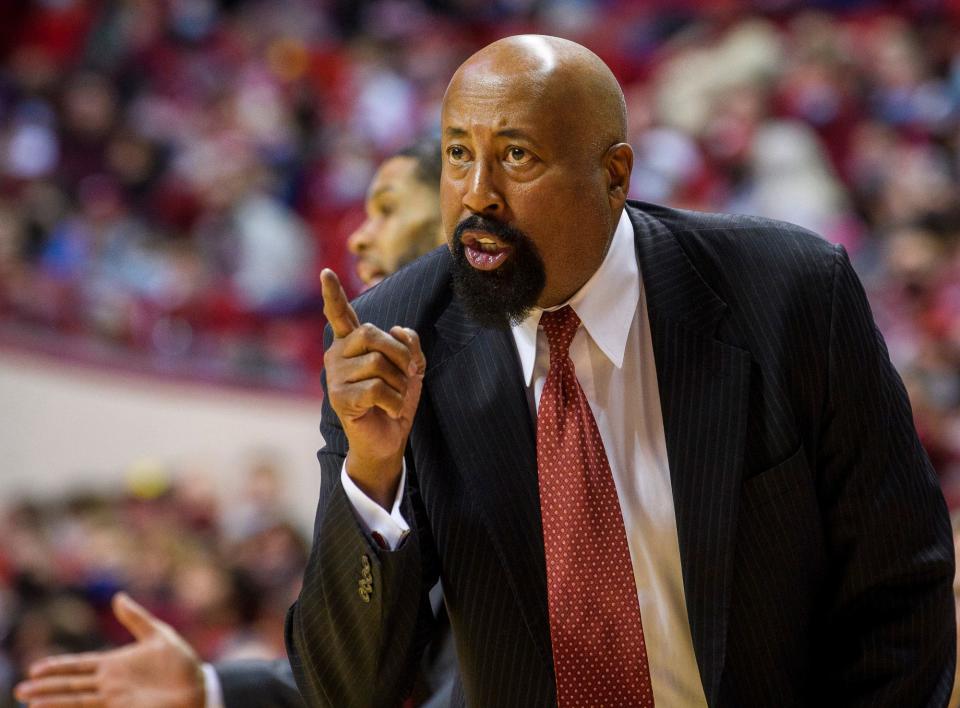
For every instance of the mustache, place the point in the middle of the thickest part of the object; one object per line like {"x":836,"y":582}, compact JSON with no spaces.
{"x":498,"y":229}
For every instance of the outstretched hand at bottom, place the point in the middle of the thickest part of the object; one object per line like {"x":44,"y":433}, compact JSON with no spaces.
{"x":158,"y":670}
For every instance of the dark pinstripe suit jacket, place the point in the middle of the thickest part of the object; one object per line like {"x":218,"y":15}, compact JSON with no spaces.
{"x":815,"y":545}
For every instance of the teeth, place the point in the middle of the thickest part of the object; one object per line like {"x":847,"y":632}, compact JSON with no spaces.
{"x":488,"y":247}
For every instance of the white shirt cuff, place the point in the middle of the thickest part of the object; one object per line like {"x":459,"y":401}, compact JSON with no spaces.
{"x":212,"y":691}
{"x":391,"y":526}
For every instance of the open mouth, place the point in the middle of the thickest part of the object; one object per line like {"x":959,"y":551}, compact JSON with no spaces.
{"x":483,"y":251}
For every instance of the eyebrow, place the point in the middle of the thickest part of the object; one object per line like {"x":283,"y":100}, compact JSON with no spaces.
{"x":452,"y":132}
{"x":514,"y":133}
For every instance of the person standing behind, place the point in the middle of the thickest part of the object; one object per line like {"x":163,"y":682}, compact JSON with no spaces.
{"x":402,"y":213}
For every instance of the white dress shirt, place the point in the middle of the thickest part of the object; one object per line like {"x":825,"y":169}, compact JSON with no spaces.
{"x":613,"y":356}
{"x":212,"y":690}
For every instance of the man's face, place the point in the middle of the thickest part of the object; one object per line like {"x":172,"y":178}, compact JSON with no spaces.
{"x":402,"y":222}
{"x":516,"y":158}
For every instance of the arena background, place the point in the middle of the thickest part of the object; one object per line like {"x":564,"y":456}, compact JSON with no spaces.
{"x":175,"y":173}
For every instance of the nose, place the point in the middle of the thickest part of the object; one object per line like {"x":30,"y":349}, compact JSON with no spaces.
{"x":361,"y":240}
{"x":481,"y":195}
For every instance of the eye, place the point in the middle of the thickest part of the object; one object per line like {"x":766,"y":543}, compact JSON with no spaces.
{"x":457,"y":154}
{"x":518,"y":156}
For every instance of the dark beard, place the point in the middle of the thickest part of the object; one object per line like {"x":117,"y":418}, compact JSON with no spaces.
{"x":502,"y":297}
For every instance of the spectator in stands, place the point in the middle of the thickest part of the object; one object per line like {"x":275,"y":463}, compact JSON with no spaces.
{"x":189,"y":118}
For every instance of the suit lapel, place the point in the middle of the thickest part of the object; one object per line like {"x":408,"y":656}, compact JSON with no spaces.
{"x":704,"y":386}
{"x":478,"y":386}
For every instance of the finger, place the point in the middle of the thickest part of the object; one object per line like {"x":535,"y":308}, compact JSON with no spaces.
{"x":57,"y":686}
{"x":376,"y":393}
{"x":369,"y":338}
{"x":135,"y":616}
{"x":86,"y":663}
{"x":417,"y":365}
{"x":373,"y":365}
{"x":336,"y":308}
{"x":86,"y":700}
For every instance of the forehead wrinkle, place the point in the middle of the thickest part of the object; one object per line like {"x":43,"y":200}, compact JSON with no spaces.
{"x":504,"y":101}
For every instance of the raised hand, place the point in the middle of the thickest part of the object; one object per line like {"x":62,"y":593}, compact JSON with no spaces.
{"x":159,"y":670}
{"x":374,"y":379}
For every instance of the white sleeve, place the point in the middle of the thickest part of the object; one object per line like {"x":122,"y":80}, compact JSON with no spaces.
{"x":391,"y":526}
{"x":212,"y":691}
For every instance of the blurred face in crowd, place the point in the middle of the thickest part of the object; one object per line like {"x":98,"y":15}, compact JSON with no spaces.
{"x":534,"y":174}
{"x":402,"y":222}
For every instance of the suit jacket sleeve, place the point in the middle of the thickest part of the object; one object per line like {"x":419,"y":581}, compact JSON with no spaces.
{"x":347,"y":647}
{"x":258,"y":684}
{"x":890,"y":630}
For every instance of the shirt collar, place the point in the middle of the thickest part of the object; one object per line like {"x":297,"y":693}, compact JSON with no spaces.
{"x":605,"y":304}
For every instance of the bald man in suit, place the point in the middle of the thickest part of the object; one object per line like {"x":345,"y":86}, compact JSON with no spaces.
{"x":653,"y":455}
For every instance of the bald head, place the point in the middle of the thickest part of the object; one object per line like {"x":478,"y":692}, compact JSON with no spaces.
{"x":561,"y":80}
{"x":535,"y":170}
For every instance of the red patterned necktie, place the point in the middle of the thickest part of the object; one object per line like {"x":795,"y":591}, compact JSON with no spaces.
{"x":599,"y":655}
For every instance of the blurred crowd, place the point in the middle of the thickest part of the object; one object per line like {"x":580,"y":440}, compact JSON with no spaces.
{"x":223,"y":576}
{"x":174,"y":175}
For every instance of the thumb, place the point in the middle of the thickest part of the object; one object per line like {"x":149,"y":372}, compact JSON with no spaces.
{"x":418,"y":362}
{"x":135,"y":616}
{"x":417,"y":357}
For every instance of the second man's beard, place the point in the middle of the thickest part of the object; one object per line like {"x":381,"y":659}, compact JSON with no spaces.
{"x":504,"y":296}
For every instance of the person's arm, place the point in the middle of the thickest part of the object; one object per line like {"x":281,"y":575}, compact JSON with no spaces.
{"x":387,"y":526}
{"x":257,"y":684}
{"x":158,"y":670}
{"x":355,"y":633}
{"x":889,"y":632}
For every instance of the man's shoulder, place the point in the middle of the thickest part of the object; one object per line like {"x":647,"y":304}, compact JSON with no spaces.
{"x":749,"y":262}
{"x":410,"y":295}
{"x":733,"y":232}
{"x":734,"y":246}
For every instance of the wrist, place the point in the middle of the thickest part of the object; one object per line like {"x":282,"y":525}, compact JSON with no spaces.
{"x":376,"y":477}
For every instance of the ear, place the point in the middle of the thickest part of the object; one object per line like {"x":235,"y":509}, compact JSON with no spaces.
{"x":618,"y":164}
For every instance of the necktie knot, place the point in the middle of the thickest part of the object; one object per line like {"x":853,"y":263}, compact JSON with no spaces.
{"x":560,"y":326}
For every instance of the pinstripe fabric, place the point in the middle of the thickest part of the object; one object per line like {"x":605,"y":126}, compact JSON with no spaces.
{"x":815,"y":546}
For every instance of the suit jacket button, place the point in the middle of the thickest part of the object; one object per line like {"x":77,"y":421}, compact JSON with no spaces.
{"x":365,"y":584}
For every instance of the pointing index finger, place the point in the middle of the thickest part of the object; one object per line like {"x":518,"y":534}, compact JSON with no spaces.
{"x":336,"y":308}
